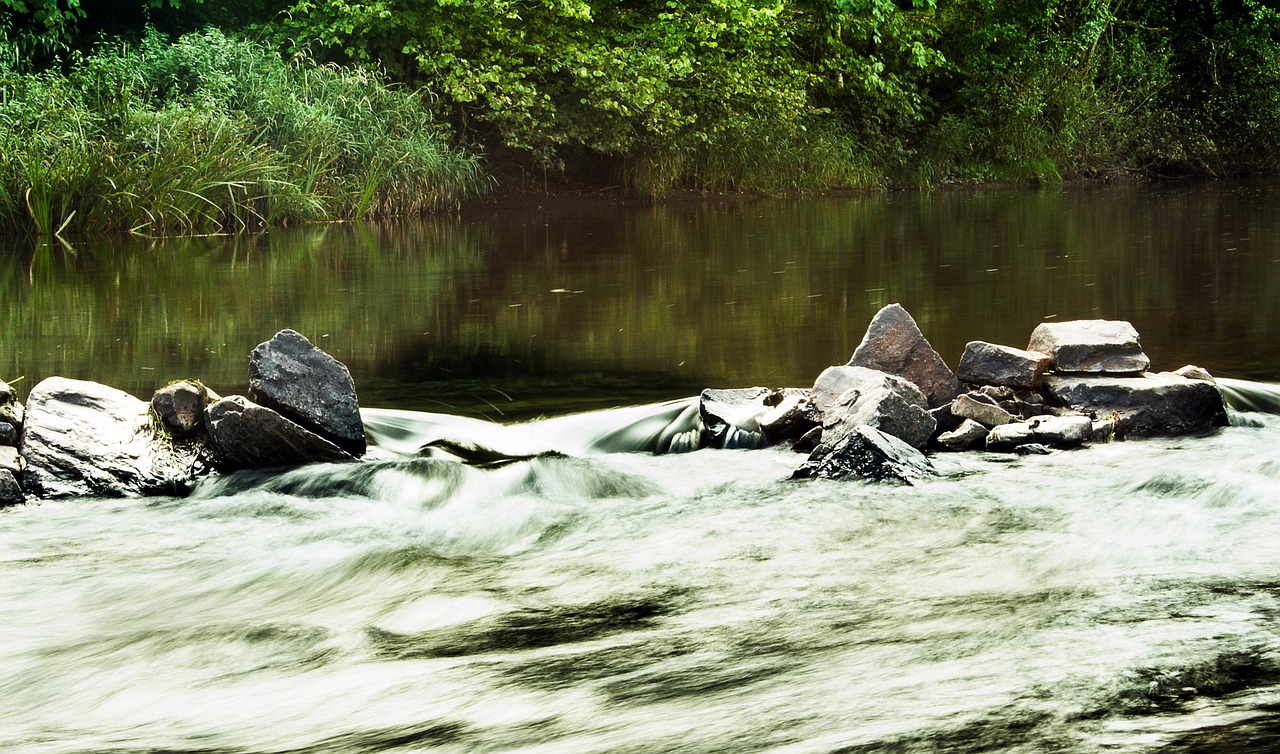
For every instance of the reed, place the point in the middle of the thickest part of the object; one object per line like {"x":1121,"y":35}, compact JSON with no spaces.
{"x":211,"y":133}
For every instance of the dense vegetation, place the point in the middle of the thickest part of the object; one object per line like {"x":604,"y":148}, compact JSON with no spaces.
{"x":652,"y":95}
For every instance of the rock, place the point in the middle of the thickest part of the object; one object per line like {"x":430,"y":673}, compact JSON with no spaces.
{"x":1145,"y":406}
{"x":1061,"y":430}
{"x":791,"y":418}
{"x":12,"y":460}
{"x":244,"y":435}
{"x":180,"y":407}
{"x":10,"y":490}
{"x":1193,"y":372}
{"x":1104,"y":430}
{"x":990,"y":364}
{"x":291,"y":376}
{"x":866,"y":453}
{"x":970,"y":407}
{"x":1007,"y":437}
{"x":1032,"y":449}
{"x":10,"y":435}
{"x":848,"y":397}
{"x":894,"y":344}
{"x":1090,"y":346}
{"x":82,"y":438}
{"x":730,"y":418}
{"x":809,"y":441}
{"x":969,"y":434}
{"x":944,"y":420}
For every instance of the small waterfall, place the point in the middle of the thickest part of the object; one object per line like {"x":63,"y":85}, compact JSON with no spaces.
{"x":669,"y":427}
{"x":1245,"y":395}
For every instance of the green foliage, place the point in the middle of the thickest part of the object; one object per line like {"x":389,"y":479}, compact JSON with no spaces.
{"x":214,"y":133}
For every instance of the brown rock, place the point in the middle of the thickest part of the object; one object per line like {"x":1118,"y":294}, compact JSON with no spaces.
{"x":1090,"y":346}
{"x":894,"y":344}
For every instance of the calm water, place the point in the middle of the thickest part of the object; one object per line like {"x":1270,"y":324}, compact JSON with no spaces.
{"x":1123,"y":597}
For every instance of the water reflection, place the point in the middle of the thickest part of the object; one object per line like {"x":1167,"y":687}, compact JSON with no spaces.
{"x":503,"y":312}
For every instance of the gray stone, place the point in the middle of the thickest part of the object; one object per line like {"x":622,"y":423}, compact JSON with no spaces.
{"x":82,"y":438}
{"x":986,"y":414}
{"x":730,"y":418}
{"x":791,"y":417}
{"x":894,"y":344}
{"x":1104,"y":430}
{"x":848,"y":397}
{"x":969,"y":434}
{"x":1144,"y":406}
{"x":1193,"y":372}
{"x":991,"y":364}
{"x":10,"y":490}
{"x":809,"y":441}
{"x":1032,"y":449}
{"x":291,"y":376}
{"x":866,"y":453}
{"x":944,"y":420}
{"x":1090,"y":346}
{"x":1006,"y":437}
{"x":10,"y":435}
{"x":243,"y":435}
{"x":180,"y":407}
{"x":12,"y":460}
{"x":1061,"y":430}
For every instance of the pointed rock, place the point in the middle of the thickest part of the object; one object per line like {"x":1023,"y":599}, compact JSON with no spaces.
{"x":894,"y":344}
{"x":849,"y":397}
{"x":866,"y":453}
{"x":291,"y":376}
{"x":1090,"y":346}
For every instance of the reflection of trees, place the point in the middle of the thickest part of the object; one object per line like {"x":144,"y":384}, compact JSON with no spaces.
{"x":750,"y":292}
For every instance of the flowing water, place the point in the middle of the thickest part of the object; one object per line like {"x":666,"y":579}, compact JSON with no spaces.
{"x":595,"y":596}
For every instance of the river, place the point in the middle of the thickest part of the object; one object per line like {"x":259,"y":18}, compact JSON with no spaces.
{"x":1122,"y":597}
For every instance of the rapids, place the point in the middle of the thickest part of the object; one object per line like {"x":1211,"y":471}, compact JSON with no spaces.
{"x":592,"y":592}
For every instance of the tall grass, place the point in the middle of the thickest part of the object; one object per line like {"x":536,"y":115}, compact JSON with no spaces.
{"x":211,"y":133}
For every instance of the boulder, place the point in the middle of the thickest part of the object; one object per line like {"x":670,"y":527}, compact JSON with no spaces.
{"x":1061,"y":430}
{"x":969,"y":434}
{"x":180,"y":407}
{"x":1007,"y":437}
{"x":849,"y":397}
{"x":1193,"y":372}
{"x":291,"y":376}
{"x":893,"y":343}
{"x":1090,"y":346}
{"x":792,"y":416}
{"x":244,"y":435}
{"x":1145,"y":406}
{"x":10,"y":490}
{"x":991,"y":364}
{"x":866,"y":453}
{"x":82,"y":438}
{"x":971,"y":407}
{"x":730,"y":418}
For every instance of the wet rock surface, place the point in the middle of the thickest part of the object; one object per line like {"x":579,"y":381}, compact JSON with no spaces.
{"x":244,"y":435}
{"x":990,"y":364}
{"x":1093,"y":346}
{"x":850,"y":397}
{"x":299,"y":381}
{"x":867,"y":453}
{"x":1150,"y":405}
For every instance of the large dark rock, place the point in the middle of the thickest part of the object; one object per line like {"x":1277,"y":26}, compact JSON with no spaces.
{"x":10,"y":491}
{"x":893,"y":343}
{"x":1145,"y":406}
{"x":849,"y":397}
{"x":244,"y":435}
{"x":866,"y":453}
{"x":1090,"y":346}
{"x":310,"y":387}
{"x":991,"y":364}
{"x":82,"y":438}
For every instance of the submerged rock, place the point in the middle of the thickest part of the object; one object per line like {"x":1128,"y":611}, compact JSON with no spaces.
{"x":990,"y":364}
{"x":1149,"y":405}
{"x":969,"y":434}
{"x":244,"y":435}
{"x":849,"y":397}
{"x":866,"y":453}
{"x":1090,"y":346}
{"x":83,"y":438}
{"x":299,"y":381}
{"x":894,"y":344}
{"x":730,"y":417}
{"x":10,"y":490}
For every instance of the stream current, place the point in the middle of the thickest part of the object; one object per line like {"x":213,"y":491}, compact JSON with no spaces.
{"x":1122,"y":597}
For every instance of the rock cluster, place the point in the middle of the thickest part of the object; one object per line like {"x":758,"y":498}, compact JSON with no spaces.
{"x":81,"y":438}
{"x":1075,"y":383}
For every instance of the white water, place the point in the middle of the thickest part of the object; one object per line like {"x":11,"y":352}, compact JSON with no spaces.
{"x":1121,"y":597}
